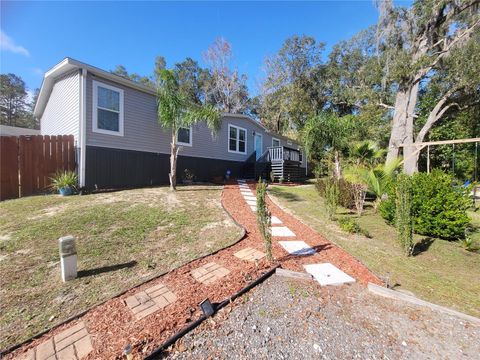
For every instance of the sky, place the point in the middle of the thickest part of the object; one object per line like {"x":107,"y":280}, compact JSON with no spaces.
{"x":37,"y":35}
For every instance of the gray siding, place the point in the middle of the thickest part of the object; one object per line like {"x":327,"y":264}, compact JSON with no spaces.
{"x":62,"y":112}
{"x":143,"y":133}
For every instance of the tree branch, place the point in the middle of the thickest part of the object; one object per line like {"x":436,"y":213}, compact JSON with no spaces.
{"x":445,"y":51}
{"x":437,"y":112}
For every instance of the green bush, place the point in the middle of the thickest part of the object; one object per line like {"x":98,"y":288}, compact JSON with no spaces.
{"x":438,"y":208}
{"x":387,"y":206}
{"x":349,"y":225}
{"x":346,"y":195}
{"x":403,"y":215}
{"x":331,"y":198}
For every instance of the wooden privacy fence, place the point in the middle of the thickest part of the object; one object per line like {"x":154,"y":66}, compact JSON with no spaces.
{"x":28,"y":162}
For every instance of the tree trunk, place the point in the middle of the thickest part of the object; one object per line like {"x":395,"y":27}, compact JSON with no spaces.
{"x":338,"y":169}
{"x":173,"y":161}
{"x":402,"y":126}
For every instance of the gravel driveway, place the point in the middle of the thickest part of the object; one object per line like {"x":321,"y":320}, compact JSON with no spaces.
{"x":294,"y":319}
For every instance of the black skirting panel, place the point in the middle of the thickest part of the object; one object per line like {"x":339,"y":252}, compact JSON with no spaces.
{"x":116,"y":168}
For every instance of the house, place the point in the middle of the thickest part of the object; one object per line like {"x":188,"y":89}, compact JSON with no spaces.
{"x":6,"y":130}
{"x":120,"y":143}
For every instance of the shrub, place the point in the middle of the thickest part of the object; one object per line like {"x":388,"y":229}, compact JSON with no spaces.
{"x":403,"y":214}
{"x":387,"y":206}
{"x":331,"y":198}
{"x":346,"y":196}
{"x":351,"y":226}
{"x":264,"y":219}
{"x":438,"y":208}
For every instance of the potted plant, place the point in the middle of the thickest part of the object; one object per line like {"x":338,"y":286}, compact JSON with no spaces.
{"x":188,"y":176}
{"x":65,"y":183}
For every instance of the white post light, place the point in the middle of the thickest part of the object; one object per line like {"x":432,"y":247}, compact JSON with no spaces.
{"x":68,"y":257}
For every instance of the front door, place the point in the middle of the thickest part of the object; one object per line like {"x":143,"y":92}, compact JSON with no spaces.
{"x":258,"y":145}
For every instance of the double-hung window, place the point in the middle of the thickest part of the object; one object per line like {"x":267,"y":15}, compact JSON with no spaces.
{"x":275,"y":142}
{"x":237,"y":139}
{"x":184,"y":136}
{"x":107,"y":109}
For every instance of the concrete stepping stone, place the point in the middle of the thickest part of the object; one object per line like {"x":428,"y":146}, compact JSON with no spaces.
{"x":241,"y":180}
{"x":72,"y":343}
{"x":275,"y":220}
{"x":249,"y":254}
{"x":150,"y":300}
{"x":297,"y":247}
{"x":250,"y":197}
{"x":328,"y":274}
{"x":209,"y":273}
{"x":254,"y":208}
{"x":246,"y":192}
{"x":252,"y":202}
{"x":282,"y":231}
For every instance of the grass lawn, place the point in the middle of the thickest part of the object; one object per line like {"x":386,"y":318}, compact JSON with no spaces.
{"x":441,"y":272}
{"x":122,"y":238}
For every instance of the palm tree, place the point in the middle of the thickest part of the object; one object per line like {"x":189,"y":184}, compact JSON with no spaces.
{"x":366,"y":153}
{"x":377,"y":180}
{"x":327,"y":132}
{"x":175,"y":110}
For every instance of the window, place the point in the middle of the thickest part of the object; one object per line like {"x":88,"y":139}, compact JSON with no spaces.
{"x":275,"y":142}
{"x":300,"y":155}
{"x":184,"y":136}
{"x":237,"y":139}
{"x":107,"y":109}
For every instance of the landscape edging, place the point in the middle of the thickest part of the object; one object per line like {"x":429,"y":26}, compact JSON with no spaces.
{"x":392,"y":294}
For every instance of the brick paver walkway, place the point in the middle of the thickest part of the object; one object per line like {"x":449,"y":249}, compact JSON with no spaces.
{"x":209,"y":273}
{"x":152,"y":299}
{"x":249,"y":254}
{"x":74,"y":343}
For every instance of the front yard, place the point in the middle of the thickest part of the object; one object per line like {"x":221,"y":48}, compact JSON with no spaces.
{"x":441,"y":272}
{"x":122,"y":238}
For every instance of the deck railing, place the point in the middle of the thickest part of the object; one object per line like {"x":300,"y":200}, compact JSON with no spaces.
{"x":280,"y":153}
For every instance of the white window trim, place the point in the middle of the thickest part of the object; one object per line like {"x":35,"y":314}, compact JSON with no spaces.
{"x":279,"y":142}
{"x":95,"y":128}
{"x":190,"y":143}
{"x":238,"y":139}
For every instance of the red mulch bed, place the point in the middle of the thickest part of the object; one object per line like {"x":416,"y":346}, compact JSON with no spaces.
{"x":113,"y":326}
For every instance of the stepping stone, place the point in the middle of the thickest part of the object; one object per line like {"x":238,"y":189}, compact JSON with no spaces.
{"x":244,"y":187}
{"x":249,"y":197}
{"x":150,"y":300}
{"x":254,"y":208}
{"x":282,"y":231}
{"x":248,"y":194}
{"x":275,"y":220}
{"x":251,"y":202}
{"x":297,"y":247}
{"x":249,"y":254}
{"x":241,"y":180}
{"x":74,"y":340}
{"x":328,"y":274}
{"x":209,"y":273}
